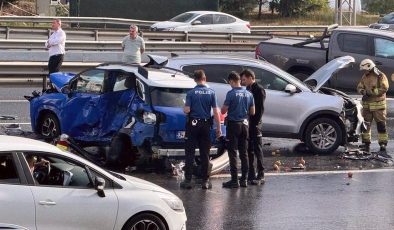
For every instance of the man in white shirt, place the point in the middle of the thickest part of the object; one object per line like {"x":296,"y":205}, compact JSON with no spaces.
{"x":56,"y":47}
{"x":133,"y":46}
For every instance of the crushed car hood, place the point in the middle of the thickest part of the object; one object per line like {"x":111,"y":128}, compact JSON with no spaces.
{"x":322,"y":75}
{"x":60,"y":79}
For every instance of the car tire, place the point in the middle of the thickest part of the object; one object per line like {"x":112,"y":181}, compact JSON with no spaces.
{"x":323,"y":135}
{"x":117,"y":154}
{"x":49,"y":126}
{"x":145,"y":221}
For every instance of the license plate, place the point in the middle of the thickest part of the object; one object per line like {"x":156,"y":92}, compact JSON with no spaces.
{"x":180,"y":135}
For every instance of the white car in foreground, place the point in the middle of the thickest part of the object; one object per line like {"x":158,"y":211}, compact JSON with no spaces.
{"x":203,"y":21}
{"x":64,"y":191}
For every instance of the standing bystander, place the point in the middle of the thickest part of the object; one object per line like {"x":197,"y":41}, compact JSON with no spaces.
{"x":56,"y":49}
{"x":255,"y":147}
{"x":239,"y":104}
{"x":133,"y":46}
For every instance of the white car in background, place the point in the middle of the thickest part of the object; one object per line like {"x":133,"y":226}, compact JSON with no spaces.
{"x":203,"y":21}
{"x":72,"y":193}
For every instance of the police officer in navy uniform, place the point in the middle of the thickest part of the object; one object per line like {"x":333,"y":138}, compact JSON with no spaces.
{"x":255,"y":145}
{"x":199,"y":103}
{"x":239,"y":104}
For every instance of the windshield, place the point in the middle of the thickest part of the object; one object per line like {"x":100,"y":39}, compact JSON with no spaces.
{"x":388,"y":19}
{"x":185,"y":17}
{"x":168,"y":97}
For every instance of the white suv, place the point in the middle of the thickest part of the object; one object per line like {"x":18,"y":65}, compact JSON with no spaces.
{"x":321,"y":117}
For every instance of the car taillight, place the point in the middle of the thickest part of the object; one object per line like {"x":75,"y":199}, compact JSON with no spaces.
{"x":248,"y":25}
{"x":257,"y":52}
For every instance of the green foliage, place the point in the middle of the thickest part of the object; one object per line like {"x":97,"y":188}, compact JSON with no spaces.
{"x":380,"y":6}
{"x":240,"y":8}
{"x":62,"y":10}
{"x":289,"y":8}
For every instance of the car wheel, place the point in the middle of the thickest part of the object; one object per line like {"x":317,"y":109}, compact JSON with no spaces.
{"x":119,"y":149}
{"x":323,"y":135}
{"x":49,"y":126}
{"x":145,"y":221}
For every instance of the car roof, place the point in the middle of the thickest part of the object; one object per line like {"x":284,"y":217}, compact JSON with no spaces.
{"x":366,"y":30}
{"x":209,"y":12}
{"x":12,"y":143}
{"x":155,"y":77}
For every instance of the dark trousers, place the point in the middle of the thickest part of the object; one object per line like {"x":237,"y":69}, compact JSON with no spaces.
{"x":255,"y":150}
{"x":54,"y":64}
{"x":237,"y":137}
{"x":197,"y":136}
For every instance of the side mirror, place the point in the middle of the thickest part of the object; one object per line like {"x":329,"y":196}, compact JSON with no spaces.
{"x":290,"y":89}
{"x":140,"y":89}
{"x":196,"y":22}
{"x":99,"y":184}
{"x":65,"y":89}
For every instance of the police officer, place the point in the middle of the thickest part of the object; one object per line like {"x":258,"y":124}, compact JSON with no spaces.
{"x":255,"y":145}
{"x":373,"y":86}
{"x":238,"y":105}
{"x":199,"y":102}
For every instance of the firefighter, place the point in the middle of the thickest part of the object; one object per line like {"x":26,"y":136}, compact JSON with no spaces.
{"x":373,"y":86}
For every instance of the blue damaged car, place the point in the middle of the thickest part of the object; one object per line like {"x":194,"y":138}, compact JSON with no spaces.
{"x":135,"y":110}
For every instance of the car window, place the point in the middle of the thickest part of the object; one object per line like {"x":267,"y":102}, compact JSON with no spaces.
{"x":220,"y":19}
{"x":353,"y":43}
{"x":185,"y":17}
{"x":8,"y":171}
{"x":388,"y":19}
{"x":384,"y":48}
{"x":216,"y":72}
{"x":124,"y":81}
{"x":49,"y":170}
{"x":169,"y":97}
{"x":269,"y":80}
{"x":90,"y":81}
{"x":205,"y":19}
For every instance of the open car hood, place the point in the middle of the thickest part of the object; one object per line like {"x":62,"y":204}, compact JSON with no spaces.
{"x":60,"y":79}
{"x":322,"y":75}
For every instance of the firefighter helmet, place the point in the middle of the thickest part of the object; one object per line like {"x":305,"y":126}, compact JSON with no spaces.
{"x":367,"y":64}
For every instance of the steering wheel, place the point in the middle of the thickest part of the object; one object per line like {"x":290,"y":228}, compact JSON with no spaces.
{"x":41,"y":173}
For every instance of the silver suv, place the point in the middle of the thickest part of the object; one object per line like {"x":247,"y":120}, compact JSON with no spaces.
{"x":321,"y":117}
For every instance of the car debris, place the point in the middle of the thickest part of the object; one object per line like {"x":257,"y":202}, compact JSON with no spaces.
{"x":8,"y":117}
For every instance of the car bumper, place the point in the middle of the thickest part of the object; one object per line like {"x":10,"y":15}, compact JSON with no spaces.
{"x":178,"y":221}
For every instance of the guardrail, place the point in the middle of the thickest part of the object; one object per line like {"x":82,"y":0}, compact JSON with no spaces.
{"x":35,"y":33}
{"x":116,"y":46}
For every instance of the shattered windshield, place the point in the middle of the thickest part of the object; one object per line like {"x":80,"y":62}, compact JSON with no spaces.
{"x":168,"y":97}
{"x":185,"y":17}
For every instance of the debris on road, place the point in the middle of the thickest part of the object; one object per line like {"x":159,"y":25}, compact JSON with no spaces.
{"x":350,"y":174}
{"x":13,"y":129}
{"x":8,"y":117}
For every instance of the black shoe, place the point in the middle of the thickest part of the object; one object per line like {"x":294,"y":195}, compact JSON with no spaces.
{"x":206,"y":184}
{"x":260,"y":178}
{"x":382,"y":148}
{"x":186,"y":184}
{"x":366,"y":148}
{"x":243,"y":183}
{"x":231,"y":184}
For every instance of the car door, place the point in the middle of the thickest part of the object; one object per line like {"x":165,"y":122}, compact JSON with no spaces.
{"x":16,"y":199}
{"x":66,"y":199}
{"x":282,"y":110}
{"x":81,"y":113}
{"x":359,"y":47}
{"x":205,"y":25}
{"x":384,"y":57}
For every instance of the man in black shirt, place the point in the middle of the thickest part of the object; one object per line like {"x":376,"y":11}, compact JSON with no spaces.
{"x":255,"y":149}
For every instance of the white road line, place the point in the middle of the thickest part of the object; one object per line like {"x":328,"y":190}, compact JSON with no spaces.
{"x":13,"y":101}
{"x":11,"y":123}
{"x":314,"y":173}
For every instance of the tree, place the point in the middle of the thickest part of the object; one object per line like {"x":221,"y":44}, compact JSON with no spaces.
{"x":239,"y":8}
{"x":289,"y":8}
{"x":380,"y":6}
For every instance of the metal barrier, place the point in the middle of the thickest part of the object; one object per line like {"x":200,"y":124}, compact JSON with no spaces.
{"x":35,"y":33}
{"x":116,"y":46}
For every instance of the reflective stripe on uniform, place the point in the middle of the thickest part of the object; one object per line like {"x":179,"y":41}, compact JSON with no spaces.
{"x":366,"y":137}
{"x":383,"y":137}
{"x":375,"y":105}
